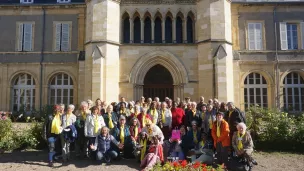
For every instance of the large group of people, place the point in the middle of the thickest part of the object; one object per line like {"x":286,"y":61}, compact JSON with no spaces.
{"x":150,"y":131}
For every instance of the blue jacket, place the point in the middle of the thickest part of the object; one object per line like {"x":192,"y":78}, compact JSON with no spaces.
{"x":71,"y":135}
{"x":116,"y":134}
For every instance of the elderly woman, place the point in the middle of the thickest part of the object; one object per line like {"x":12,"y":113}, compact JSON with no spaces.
{"x":81,"y":142}
{"x":243,"y":144}
{"x":93,"y":125}
{"x":52,"y":131}
{"x":153,"y":112}
{"x":110,"y":118}
{"x":134,"y":129}
{"x":193,"y":137}
{"x":103,"y":146}
{"x":151,"y":130}
{"x":122,"y":134}
{"x":209,"y":119}
{"x":90,"y":103}
{"x":193,"y":115}
{"x":143,"y":117}
{"x":137,"y":111}
{"x":68,"y":119}
{"x":165,"y":120}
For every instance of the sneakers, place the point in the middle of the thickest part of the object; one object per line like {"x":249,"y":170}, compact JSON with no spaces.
{"x":254,"y":162}
{"x":51,"y":164}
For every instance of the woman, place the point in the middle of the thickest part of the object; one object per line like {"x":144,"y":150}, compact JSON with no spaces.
{"x":220,"y":135}
{"x":209,"y":119}
{"x":68,"y":119}
{"x":193,"y":137}
{"x":151,"y":130}
{"x":155,"y":154}
{"x":137,"y":111}
{"x":174,"y":146}
{"x":52,"y":131}
{"x":223,"y":107}
{"x":165,"y":120}
{"x":243,"y":145}
{"x":110,"y":118}
{"x":131,"y":107}
{"x":103,"y":146}
{"x":122,"y":134}
{"x":153,"y":112}
{"x":98,"y":104}
{"x":93,"y":125}
{"x":143,"y":117}
{"x":81,"y":143}
{"x":123,"y":111}
{"x":134,"y":129}
{"x":178,"y":116}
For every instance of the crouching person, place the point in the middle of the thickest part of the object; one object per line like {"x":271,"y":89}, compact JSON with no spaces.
{"x":205,"y":151}
{"x":155,"y":154}
{"x":103,"y":143}
{"x":52,"y":131}
{"x":243,"y":145}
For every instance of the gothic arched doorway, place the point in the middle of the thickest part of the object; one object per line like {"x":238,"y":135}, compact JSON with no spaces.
{"x":158,"y":82}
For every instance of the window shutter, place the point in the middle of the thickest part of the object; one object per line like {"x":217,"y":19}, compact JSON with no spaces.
{"x":302,"y":33}
{"x":58,"y":37}
{"x":251,"y":37}
{"x":283,"y":36}
{"x":28,"y":31}
{"x":65,"y":42}
{"x":20,"y":37}
{"x":258,"y":36}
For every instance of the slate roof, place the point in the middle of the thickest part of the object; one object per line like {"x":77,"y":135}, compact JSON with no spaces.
{"x":14,"y":2}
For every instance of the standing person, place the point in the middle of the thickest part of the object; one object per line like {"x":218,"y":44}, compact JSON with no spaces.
{"x":122,"y":134}
{"x":210,"y":101}
{"x":209,"y":119}
{"x":178,"y":101}
{"x":90,"y":103}
{"x":201,"y":103}
{"x":81,"y":143}
{"x":153,"y":112}
{"x":143,"y":117}
{"x":178,"y":116}
{"x":243,"y":145}
{"x":124,"y":111}
{"x":156,"y":99}
{"x":137,"y":111}
{"x":103,"y":146}
{"x":187,"y":100}
{"x":188,"y":107}
{"x":52,"y":131}
{"x":193,"y":115}
{"x":122,"y":100}
{"x":149,"y":101}
{"x":110,"y":118}
{"x":233,"y":117}
{"x":131,"y":107}
{"x":223,"y":108}
{"x":216,"y":105}
{"x":142,"y":101}
{"x":68,"y":119}
{"x":165,"y":120}
{"x":220,"y":135}
{"x":93,"y":124}
{"x":62,"y":107}
{"x":98,"y":104}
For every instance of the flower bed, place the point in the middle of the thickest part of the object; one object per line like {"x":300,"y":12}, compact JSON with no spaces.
{"x":183,"y":165}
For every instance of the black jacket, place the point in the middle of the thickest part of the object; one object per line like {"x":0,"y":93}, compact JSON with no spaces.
{"x":197,"y":117}
{"x":233,"y":120}
{"x":48,"y":126}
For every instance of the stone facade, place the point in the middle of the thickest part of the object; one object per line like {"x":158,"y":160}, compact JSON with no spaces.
{"x":215,"y":65}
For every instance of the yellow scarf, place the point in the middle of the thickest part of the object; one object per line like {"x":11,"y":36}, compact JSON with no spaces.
{"x":144,"y":120}
{"x":240,"y":143}
{"x":122,"y":134}
{"x":210,"y":122}
{"x":163,"y":116}
{"x":84,"y":115}
{"x":135,"y":131}
{"x":122,"y":111}
{"x":202,"y":144}
{"x":96,"y":124}
{"x":218,"y":129}
{"x":230,"y":112}
{"x":194,"y":112}
{"x":132,"y":110}
{"x":143,"y":143}
{"x":111,"y":125}
{"x":56,"y":124}
{"x":194,"y":137}
{"x":154,"y":115}
{"x":67,"y":119}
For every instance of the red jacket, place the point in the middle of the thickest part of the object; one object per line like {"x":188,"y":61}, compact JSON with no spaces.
{"x":178,"y":117}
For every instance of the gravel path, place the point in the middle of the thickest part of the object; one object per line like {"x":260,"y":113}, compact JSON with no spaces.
{"x":36,"y":160}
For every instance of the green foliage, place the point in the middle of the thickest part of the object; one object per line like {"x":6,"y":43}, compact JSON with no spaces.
{"x":275,"y":130}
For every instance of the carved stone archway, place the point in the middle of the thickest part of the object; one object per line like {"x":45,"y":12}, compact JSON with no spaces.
{"x":166,"y":59}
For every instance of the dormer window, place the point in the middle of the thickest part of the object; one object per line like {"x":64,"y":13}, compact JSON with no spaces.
{"x":63,"y":1}
{"x":26,"y":1}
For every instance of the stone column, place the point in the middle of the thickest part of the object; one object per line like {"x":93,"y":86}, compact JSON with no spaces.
{"x":185,"y":30}
{"x":131,"y":30}
{"x":174,"y":30}
{"x":163,"y":30}
{"x":142,"y":26}
{"x":152,"y":30}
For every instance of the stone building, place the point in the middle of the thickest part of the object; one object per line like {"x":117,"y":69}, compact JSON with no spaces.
{"x":66,"y":51}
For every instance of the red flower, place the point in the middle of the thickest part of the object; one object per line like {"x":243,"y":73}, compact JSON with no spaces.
{"x":204,"y":169}
{"x":175,"y":164}
{"x":196,"y":165}
{"x":184,"y":163}
{"x":204,"y":165}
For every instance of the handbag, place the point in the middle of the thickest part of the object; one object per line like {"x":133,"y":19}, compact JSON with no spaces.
{"x":175,"y":134}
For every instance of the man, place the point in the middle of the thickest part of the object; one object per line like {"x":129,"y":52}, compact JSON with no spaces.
{"x":201,"y":103}
{"x":122,"y":100}
{"x":220,"y":135}
{"x":156,"y":99}
{"x":178,"y":116}
{"x":187,"y":99}
{"x":193,"y":115}
{"x":165,"y":120}
{"x":216,"y":105}
{"x":233,"y":117}
{"x":149,"y":101}
{"x":178,"y":101}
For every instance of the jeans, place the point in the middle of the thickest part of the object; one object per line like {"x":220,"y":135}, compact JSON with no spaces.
{"x":178,"y":154}
{"x":107,"y":156}
{"x":51,"y":143}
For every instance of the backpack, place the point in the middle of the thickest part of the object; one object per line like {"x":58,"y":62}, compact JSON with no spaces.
{"x":242,"y":115}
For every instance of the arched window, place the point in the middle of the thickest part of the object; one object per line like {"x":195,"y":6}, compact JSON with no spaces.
{"x":126,"y":30}
{"x":168,"y":27}
{"x":137,"y":31}
{"x":189,"y":30}
{"x":23,"y":94}
{"x":293,"y":92}
{"x":147,"y":35}
{"x":158,"y":30}
{"x":61,"y":89}
{"x":179,"y":30}
{"x":255,"y":90}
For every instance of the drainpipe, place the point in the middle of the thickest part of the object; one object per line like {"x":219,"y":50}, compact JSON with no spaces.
{"x":276,"y":67}
{"x":42,"y":58}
